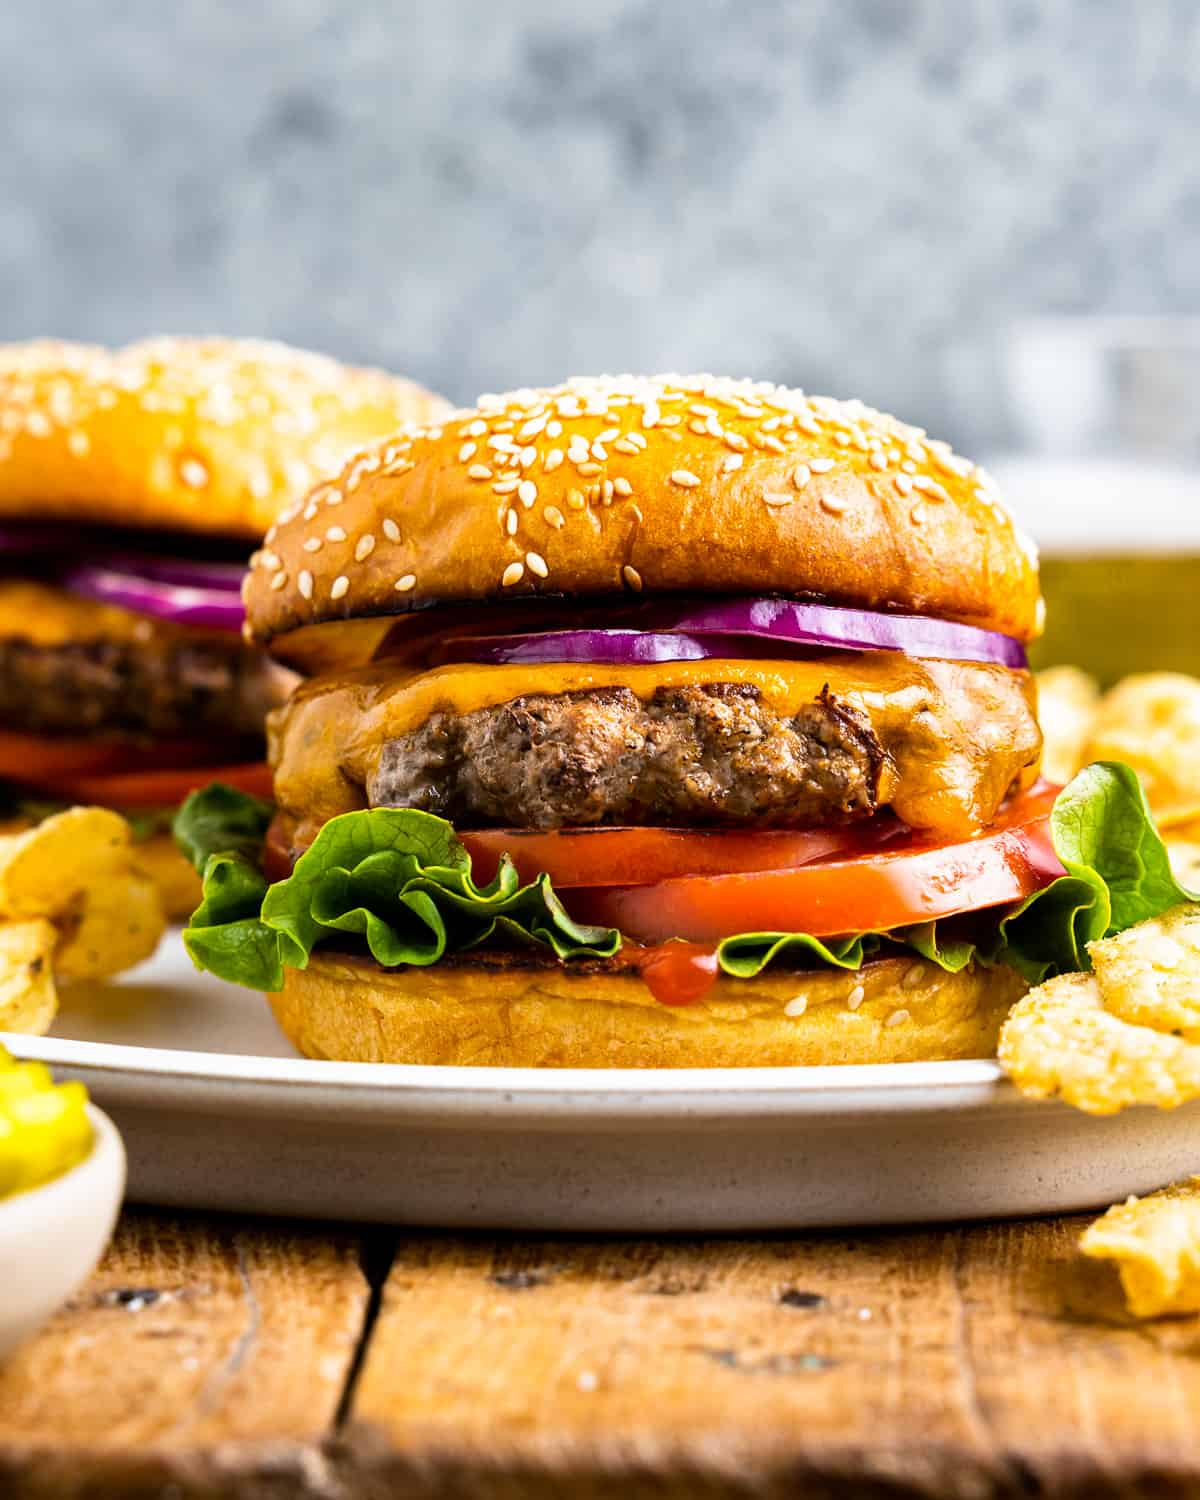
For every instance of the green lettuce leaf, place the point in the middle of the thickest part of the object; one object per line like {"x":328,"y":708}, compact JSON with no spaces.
{"x":396,"y":879}
{"x":399,"y":883}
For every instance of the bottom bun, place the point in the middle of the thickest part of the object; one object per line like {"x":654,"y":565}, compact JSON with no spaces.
{"x":480,"y":1013}
{"x":177,"y":881}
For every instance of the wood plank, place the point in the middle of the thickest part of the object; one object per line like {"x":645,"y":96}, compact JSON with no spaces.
{"x":202,"y":1350}
{"x":960,"y":1363}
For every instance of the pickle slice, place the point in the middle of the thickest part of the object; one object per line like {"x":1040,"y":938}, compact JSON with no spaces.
{"x":44,"y":1128}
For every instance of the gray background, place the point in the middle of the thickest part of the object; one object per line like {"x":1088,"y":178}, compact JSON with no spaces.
{"x":857,"y":197}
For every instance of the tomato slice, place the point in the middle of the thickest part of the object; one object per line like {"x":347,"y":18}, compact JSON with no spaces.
{"x":907,"y":881}
{"x":643,"y":856}
{"x":35,"y":760}
{"x":157,"y":788}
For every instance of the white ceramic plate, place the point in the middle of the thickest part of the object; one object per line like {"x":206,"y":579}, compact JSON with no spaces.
{"x":218,"y":1112}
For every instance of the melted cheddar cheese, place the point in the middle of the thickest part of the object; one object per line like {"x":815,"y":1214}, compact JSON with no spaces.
{"x":956,"y":737}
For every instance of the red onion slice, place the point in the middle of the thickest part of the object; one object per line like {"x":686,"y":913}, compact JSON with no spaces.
{"x":225,"y":577}
{"x":748,"y":627}
{"x":214,"y":609}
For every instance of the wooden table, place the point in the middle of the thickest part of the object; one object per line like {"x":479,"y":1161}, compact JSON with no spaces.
{"x":221,"y":1357}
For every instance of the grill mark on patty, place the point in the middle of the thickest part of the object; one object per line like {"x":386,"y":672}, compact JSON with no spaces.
{"x":713,"y":755}
{"x":164,"y":688}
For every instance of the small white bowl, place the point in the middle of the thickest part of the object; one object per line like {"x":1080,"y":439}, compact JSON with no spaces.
{"x":52,"y":1237}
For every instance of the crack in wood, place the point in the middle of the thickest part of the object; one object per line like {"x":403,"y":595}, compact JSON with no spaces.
{"x":376,"y":1256}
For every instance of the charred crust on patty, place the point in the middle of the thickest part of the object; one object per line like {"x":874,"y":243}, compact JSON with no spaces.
{"x":710,"y":756}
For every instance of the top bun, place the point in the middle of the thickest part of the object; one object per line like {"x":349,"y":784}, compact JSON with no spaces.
{"x":198,"y":435}
{"x":680,"y":484}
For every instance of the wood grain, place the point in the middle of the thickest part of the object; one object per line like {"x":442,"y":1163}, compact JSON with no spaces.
{"x":959,"y":1363}
{"x":202,"y":1352}
{"x":214,"y":1357}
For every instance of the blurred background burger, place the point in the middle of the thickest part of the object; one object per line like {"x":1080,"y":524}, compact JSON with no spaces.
{"x":132,"y":485}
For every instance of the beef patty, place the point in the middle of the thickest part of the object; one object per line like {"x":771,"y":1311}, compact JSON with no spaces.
{"x":714,"y":755}
{"x":161,"y":688}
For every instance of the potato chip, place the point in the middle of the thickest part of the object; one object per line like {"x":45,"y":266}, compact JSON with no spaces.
{"x":1060,"y":1041}
{"x":1152,"y":723}
{"x":1150,"y":974}
{"x":77,"y":869}
{"x":1184,"y":855}
{"x":1155,"y":1242}
{"x":28,"y":998}
{"x":72,"y":906}
{"x":1067,"y":701}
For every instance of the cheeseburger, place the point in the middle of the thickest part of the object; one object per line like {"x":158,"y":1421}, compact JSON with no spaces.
{"x":646,"y":722}
{"x":132,"y":484}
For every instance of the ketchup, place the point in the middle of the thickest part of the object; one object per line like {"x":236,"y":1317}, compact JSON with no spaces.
{"x":676,"y":973}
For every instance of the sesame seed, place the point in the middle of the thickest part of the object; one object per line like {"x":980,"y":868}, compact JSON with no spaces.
{"x":510,"y":522}
{"x":733,"y":461}
{"x":364,"y":547}
{"x":575,"y":500}
{"x":897,"y":1018}
{"x":877,"y":460}
{"x":527,"y":457}
{"x":37,"y":424}
{"x":632,"y":577}
{"x":390,"y":529}
{"x":903,"y":483}
{"x":553,"y":459}
{"x":465,"y":452}
{"x":512,"y":574}
{"x":79,"y":443}
{"x":917,"y":514}
{"x":698,"y":427}
{"x":914,"y":977}
{"x":608,"y":434}
{"x":554,"y":428}
{"x":339,"y":587}
{"x":193,"y":473}
{"x":834,"y":504}
{"x":536,"y":563}
{"x":406,"y":584}
{"x":505,"y":486}
{"x":588,"y":468}
{"x":335,"y":534}
{"x":527,"y":492}
{"x":278,"y":581}
{"x":310,"y":511}
{"x":777,"y":500}
{"x":820,"y":465}
{"x":776,"y":445}
{"x":625,"y":445}
{"x":335,"y":497}
{"x":477,"y":428}
{"x":479,"y":471}
{"x":554,"y":517}
{"x":796,"y":1007}
{"x":622,"y":487}
{"x":305,"y":584}
{"x":908,"y":467}
{"x":801,"y":474}
{"x":532,"y":428}
{"x":735,"y":441}
{"x":606,"y":491}
{"x":267,"y":559}
{"x":684,"y":478}
{"x":313,"y":544}
{"x":856,"y":997}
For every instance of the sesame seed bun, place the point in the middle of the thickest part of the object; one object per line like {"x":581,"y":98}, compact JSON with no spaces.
{"x":643,"y":485}
{"x":893,"y":1010}
{"x":196,"y":435}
